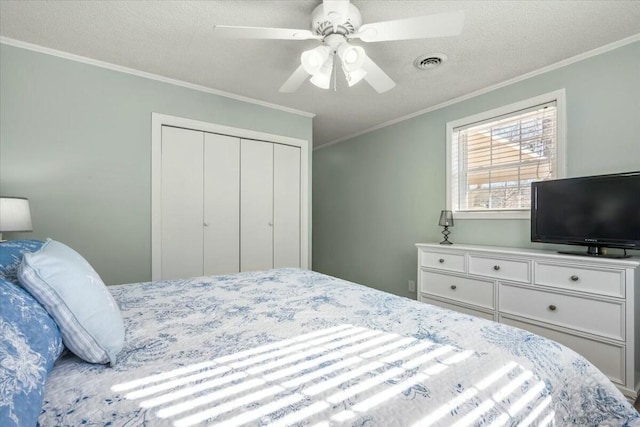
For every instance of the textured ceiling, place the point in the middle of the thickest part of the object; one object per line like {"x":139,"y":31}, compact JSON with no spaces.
{"x":500,"y":40}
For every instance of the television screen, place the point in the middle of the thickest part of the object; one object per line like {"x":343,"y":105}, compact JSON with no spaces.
{"x":594,"y":211}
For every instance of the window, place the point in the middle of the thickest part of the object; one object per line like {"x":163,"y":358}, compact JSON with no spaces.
{"x":493,"y":157}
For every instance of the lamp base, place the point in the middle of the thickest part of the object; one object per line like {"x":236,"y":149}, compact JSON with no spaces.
{"x":446,"y":233}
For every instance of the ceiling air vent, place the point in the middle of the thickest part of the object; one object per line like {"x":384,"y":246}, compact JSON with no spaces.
{"x":429,"y":61}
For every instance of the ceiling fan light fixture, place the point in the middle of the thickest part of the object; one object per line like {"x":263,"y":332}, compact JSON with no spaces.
{"x":354,"y":77}
{"x":352,"y":56}
{"x":322,"y":78}
{"x":336,"y":22}
{"x":321,"y":81}
{"x":313,"y":60}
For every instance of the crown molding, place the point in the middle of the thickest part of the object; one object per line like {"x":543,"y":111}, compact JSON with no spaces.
{"x":85,"y":60}
{"x":585,"y":55}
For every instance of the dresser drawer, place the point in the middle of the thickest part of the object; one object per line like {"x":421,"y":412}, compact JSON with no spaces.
{"x":609,"y":358}
{"x":470,"y":291}
{"x":442,"y":261}
{"x":579,"y":278}
{"x":500,"y":268}
{"x":458,"y":308}
{"x":594,"y":316}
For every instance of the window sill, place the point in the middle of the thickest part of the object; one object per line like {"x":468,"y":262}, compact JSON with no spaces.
{"x":506,"y":214}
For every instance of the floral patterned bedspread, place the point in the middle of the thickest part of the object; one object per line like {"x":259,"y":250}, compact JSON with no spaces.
{"x":294,"y":347}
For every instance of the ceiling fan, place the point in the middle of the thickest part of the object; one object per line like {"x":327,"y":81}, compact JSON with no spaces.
{"x":335,"y":23}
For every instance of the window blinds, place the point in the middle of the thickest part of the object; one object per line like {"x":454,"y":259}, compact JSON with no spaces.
{"x":495,"y":161}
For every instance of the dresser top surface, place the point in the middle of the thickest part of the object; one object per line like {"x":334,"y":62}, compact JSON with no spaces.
{"x":632,"y":262}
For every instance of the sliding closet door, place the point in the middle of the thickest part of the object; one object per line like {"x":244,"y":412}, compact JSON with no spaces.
{"x":286,"y":206}
{"x":256,"y":205}
{"x":182,"y":205}
{"x":221,"y":204}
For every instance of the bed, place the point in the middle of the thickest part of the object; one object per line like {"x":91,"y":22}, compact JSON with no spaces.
{"x":295,"y":347}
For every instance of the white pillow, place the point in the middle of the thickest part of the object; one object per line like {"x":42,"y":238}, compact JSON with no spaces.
{"x":77,"y":299}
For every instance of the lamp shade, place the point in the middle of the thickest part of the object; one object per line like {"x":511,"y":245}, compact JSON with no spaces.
{"x":314,"y":59}
{"x":446,"y":219}
{"x":354,"y":77}
{"x":352,"y":57}
{"x":322,"y":78}
{"x":15,"y":214}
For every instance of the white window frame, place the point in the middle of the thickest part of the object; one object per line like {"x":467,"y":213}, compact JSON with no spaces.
{"x":559,"y":96}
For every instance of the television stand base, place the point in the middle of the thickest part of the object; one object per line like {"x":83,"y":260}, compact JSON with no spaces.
{"x":598,"y":254}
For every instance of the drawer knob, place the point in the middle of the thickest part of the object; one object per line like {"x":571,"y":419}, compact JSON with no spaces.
{"x":453,"y":287}
{"x":574,"y":278}
{"x":552,"y":307}
{"x":496,"y":267}
{"x":441,"y":260}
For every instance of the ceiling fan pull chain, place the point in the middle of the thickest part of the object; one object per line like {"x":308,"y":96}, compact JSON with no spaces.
{"x":335,"y":75}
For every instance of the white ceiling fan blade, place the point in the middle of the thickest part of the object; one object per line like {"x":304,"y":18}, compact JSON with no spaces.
{"x":439,"y":25}
{"x":229,"y":31}
{"x":338,"y":7}
{"x":378,"y":79}
{"x":295,"y":80}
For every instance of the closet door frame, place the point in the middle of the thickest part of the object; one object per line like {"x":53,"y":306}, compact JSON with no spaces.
{"x":158,"y":120}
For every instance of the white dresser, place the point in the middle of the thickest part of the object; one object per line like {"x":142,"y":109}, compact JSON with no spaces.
{"x":585,"y":303}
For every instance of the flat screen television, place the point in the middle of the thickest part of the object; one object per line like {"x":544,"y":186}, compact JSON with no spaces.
{"x":594,"y":211}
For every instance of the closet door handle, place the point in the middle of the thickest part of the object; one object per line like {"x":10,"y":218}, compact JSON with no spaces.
{"x":270,"y":224}
{"x":206,"y":224}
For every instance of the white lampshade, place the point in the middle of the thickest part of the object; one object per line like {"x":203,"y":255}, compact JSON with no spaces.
{"x":322,"y":79}
{"x":314,"y":59}
{"x":352,"y":57}
{"x":15,"y":214}
{"x":354,"y":77}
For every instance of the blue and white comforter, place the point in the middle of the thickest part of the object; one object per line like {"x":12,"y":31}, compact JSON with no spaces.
{"x":293,"y":347}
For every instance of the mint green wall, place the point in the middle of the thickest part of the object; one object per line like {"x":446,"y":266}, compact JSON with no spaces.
{"x":76,"y":140}
{"x":378,"y":194}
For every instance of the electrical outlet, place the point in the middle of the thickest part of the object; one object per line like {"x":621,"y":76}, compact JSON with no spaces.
{"x":411,"y":285}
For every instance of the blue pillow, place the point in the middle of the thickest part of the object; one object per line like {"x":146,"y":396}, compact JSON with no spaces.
{"x":75,"y":296}
{"x":11,"y":253}
{"x":30,"y":344}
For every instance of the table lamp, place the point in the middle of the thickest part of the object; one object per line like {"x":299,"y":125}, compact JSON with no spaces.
{"x":15,"y":214}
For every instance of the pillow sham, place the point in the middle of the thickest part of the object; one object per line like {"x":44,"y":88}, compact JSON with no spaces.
{"x":30,"y":344}
{"x":11,"y":253}
{"x":75,"y":296}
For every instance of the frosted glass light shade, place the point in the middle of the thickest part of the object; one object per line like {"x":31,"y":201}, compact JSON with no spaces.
{"x":352,"y":57}
{"x":354,"y":77}
{"x":314,"y":59}
{"x":15,"y":214}
{"x":322,"y":79}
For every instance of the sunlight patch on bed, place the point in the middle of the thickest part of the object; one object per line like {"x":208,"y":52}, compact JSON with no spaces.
{"x":218,"y":395}
{"x":163,"y":376}
{"x":535,"y":413}
{"x":488,"y":404}
{"x":334,"y":375}
{"x":301,"y":414}
{"x":548,"y":420}
{"x":177,"y":382}
{"x":191,"y":391}
{"x":199,"y":417}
